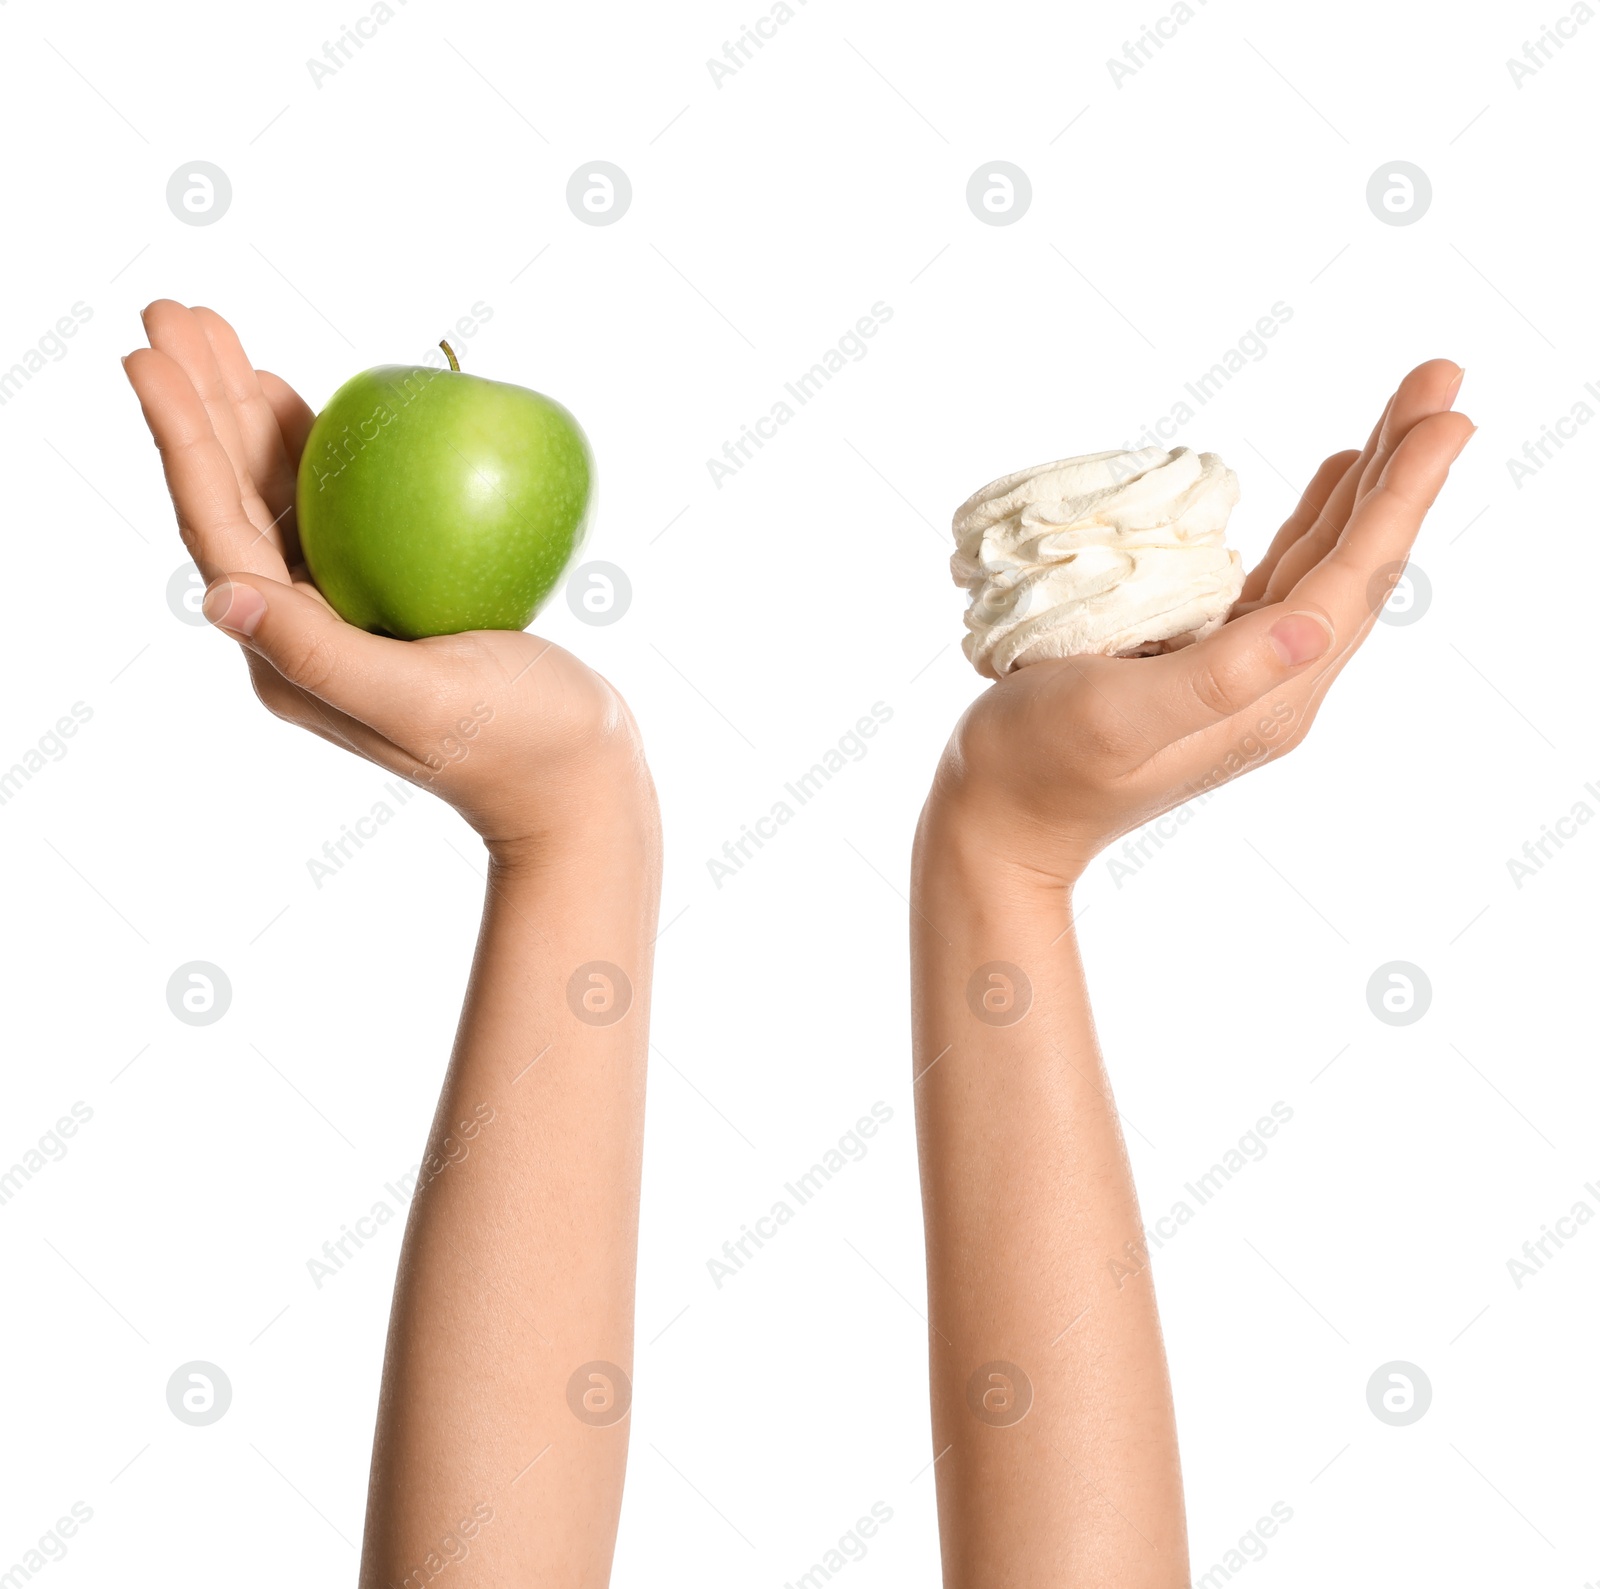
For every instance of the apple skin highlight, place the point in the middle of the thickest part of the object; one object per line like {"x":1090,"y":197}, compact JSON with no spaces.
{"x":432,"y":502}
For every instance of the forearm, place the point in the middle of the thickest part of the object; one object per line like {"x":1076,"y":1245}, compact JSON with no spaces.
{"x":1034,"y":1248}
{"x":518,"y":1263}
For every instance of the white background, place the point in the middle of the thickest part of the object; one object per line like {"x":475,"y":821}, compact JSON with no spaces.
{"x":769,"y":213}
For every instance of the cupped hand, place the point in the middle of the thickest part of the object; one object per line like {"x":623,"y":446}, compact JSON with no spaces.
{"x":513,"y":731}
{"x":1059,"y":758}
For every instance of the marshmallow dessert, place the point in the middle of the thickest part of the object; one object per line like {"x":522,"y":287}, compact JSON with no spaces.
{"x":1115,"y":554}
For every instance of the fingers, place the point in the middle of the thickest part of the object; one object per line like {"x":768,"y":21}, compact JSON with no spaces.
{"x":1310,"y":635}
{"x":200,"y":474}
{"x":293,"y":414}
{"x":1428,"y":389}
{"x":1203,"y":685}
{"x":1280,"y":658}
{"x":294,"y":418}
{"x":376,"y":681}
{"x":266,"y":461}
{"x":1325,"y":528}
{"x":176,"y":331}
{"x":1352,"y":582}
{"x":1323,"y":484}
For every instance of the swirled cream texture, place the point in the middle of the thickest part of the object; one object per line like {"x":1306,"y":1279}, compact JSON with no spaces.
{"x":1112,"y":554}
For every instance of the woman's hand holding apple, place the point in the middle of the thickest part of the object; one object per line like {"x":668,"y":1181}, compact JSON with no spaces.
{"x":529,"y":744}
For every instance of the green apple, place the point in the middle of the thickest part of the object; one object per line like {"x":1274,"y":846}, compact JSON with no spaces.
{"x":431,"y":502}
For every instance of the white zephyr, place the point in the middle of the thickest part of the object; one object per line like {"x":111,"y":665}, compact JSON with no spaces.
{"x":1112,"y":554}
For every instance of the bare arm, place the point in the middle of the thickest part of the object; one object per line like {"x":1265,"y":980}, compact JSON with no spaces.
{"x":1050,"y":1391}
{"x":1052,"y":1414}
{"x":506,"y":1382}
{"x":502,"y":1431}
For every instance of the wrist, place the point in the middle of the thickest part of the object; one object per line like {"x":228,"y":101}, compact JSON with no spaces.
{"x":964,"y":855}
{"x":607,"y":826}
{"x":1020,"y":818}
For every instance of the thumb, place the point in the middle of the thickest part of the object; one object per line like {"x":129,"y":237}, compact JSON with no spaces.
{"x":1211,"y":681}
{"x":366,"y":676}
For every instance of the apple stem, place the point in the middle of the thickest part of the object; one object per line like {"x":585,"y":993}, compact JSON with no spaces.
{"x":450,"y":354}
